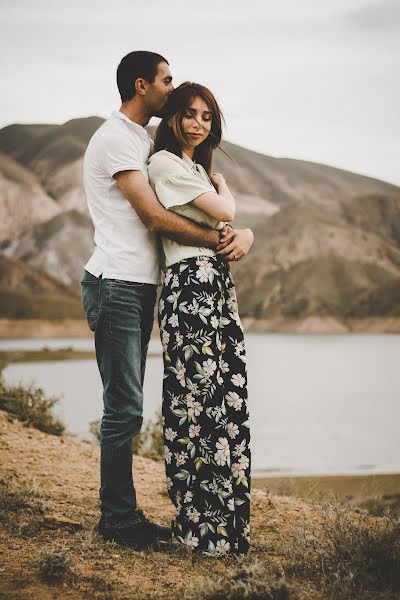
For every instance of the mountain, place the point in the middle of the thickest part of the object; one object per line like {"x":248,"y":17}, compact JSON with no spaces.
{"x":327,"y":241}
{"x":60,"y":247}
{"x":26,"y":292}
{"x":23,"y":202}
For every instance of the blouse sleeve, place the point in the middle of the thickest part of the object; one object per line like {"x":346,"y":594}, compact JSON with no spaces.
{"x":176,"y":186}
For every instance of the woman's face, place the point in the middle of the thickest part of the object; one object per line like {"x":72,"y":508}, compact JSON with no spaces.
{"x":196,"y":122}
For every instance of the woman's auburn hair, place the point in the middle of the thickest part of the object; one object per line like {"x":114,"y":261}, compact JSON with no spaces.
{"x":177,"y":105}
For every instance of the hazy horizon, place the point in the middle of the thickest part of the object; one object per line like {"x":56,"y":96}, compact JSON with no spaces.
{"x":301,"y":80}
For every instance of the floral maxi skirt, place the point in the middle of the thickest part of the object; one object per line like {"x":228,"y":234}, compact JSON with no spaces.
{"x":205,"y":414}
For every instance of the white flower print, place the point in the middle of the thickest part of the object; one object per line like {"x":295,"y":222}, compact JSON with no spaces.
{"x":237,"y":472}
{"x":222,"y":454}
{"x":209,"y":367}
{"x":194,"y":430}
{"x":173,"y":320}
{"x":238,"y":380}
{"x":210,"y":302}
{"x":174,"y":403}
{"x":181,"y":376}
{"x":233,"y":399}
{"x":231,"y":504}
{"x":161,"y":306}
{"x":204,"y":270}
{"x":222,"y":547}
{"x":239,"y":348}
{"x":232,"y":430}
{"x":169,"y":482}
{"x":167,"y":455}
{"x":175,"y":281}
{"x":170,"y":434}
{"x":167,"y":277}
{"x":193,"y":514}
{"x":217,"y":413}
{"x":246,"y":532}
{"x":223,"y":365}
{"x":181,"y":458}
{"x":193,"y":542}
{"x":178,"y":339}
{"x":188,"y":497}
{"x":214,"y":322}
{"x":194,"y":407}
{"x":239,"y":449}
{"x":244,"y":462}
{"x":165,"y":340}
{"x":214,"y":487}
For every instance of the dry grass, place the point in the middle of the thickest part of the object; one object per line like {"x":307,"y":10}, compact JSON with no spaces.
{"x":350,"y":555}
{"x":31,"y":406}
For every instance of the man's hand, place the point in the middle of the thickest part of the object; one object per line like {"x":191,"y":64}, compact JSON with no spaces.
{"x":235,"y":243}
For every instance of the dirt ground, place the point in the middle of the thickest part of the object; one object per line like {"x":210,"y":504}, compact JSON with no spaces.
{"x":62,"y":475}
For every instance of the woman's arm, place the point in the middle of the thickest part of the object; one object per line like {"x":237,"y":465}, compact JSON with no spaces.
{"x":220,"y":205}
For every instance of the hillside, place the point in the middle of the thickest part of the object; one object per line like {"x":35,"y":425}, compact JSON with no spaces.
{"x":327,"y":241}
{"x":49,"y":511}
{"x":26,"y":292}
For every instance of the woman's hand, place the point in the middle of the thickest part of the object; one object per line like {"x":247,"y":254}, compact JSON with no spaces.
{"x":217,"y":179}
{"x":235,"y":244}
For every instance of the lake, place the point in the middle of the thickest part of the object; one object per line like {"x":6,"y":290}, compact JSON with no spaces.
{"x":319,"y":404}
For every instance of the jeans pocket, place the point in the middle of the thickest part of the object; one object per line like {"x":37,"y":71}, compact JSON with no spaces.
{"x":90,"y":292}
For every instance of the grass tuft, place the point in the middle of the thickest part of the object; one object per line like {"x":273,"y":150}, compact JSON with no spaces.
{"x":247,"y":582}
{"x":55,"y":567}
{"x":349,"y":554}
{"x":22,"y":508}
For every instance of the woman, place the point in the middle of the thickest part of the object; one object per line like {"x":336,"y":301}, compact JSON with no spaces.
{"x":205,"y":416}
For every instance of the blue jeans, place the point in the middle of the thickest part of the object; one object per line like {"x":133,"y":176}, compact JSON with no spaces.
{"x":120,"y":313}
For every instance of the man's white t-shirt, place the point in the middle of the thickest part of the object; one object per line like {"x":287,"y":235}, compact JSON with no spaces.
{"x":124,"y":247}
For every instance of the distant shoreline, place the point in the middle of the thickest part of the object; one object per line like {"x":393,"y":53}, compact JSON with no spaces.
{"x":350,"y":487}
{"x":74,"y":328}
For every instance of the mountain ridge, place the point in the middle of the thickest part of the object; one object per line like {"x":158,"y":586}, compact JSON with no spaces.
{"x":327,"y":241}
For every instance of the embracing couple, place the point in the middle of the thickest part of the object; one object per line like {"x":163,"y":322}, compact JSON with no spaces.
{"x":161,"y":208}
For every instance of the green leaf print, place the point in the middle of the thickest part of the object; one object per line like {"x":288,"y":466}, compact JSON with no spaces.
{"x":184,"y":440}
{"x":211,"y":547}
{"x":203,"y":528}
{"x":222,"y":531}
{"x":188,"y":351}
{"x":182,"y":475}
{"x":207,"y":350}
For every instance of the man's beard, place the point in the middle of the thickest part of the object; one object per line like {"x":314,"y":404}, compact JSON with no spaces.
{"x":160,"y":112}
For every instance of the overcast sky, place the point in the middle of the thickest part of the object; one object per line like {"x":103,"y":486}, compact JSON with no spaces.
{"x":316,"y":80}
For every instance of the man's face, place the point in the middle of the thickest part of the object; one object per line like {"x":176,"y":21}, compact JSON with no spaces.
{"x":158,"y":91}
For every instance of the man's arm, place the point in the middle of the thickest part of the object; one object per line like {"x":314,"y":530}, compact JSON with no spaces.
{"x":159,"y":220}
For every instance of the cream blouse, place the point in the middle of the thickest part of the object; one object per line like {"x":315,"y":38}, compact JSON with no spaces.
{"x":176,"y":182}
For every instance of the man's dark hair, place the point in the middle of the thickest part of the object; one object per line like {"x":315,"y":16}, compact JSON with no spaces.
{"x":136,"y":65}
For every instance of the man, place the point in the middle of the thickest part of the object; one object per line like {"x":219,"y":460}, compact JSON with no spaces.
{"x":121,"y":277}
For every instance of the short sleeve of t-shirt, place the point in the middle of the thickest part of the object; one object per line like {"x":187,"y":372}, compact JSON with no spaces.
{"x":174,"y":185}
{"x":121,"y":153}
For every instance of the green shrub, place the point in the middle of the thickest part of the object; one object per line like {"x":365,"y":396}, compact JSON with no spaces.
{"x":30,"y":405}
